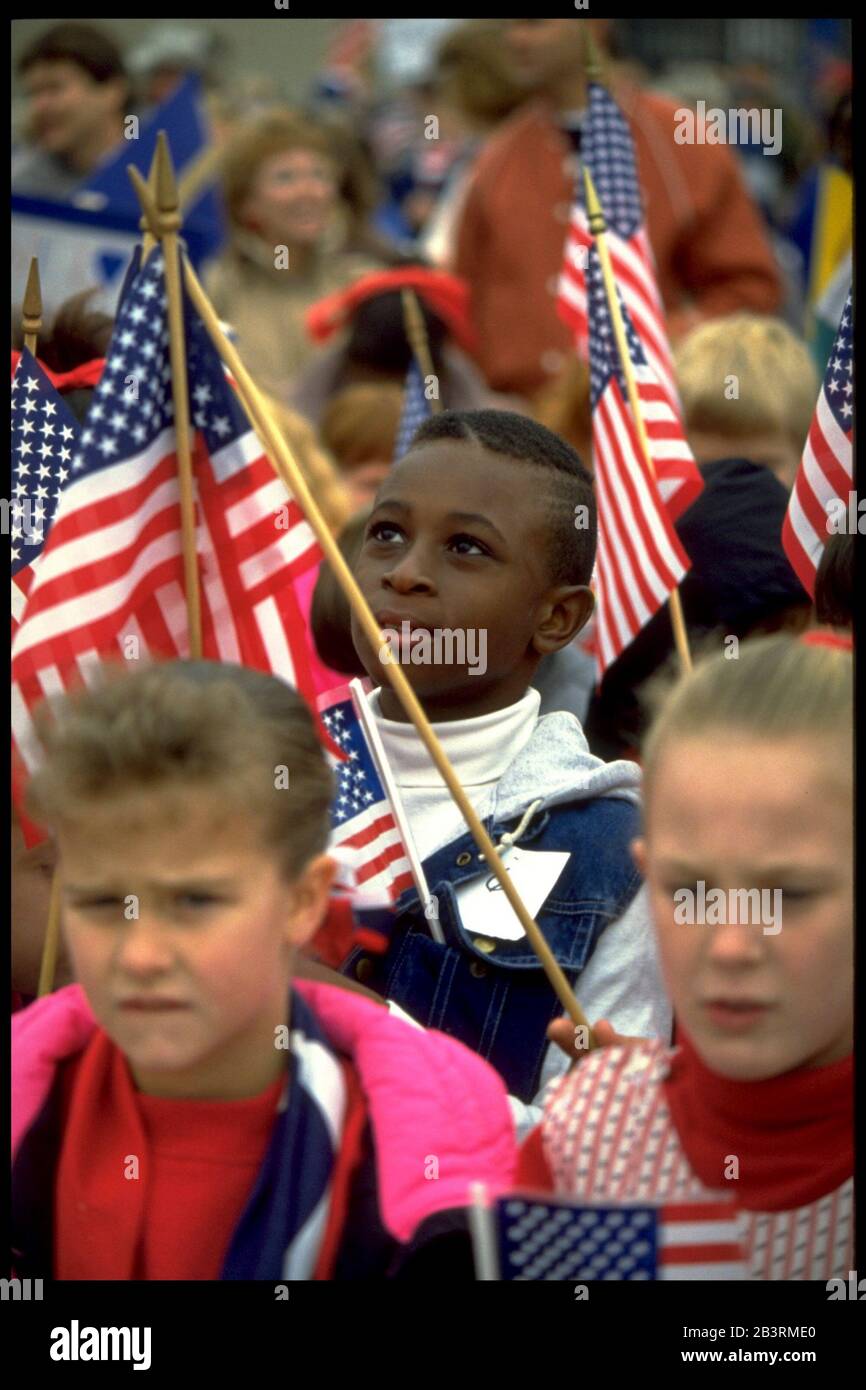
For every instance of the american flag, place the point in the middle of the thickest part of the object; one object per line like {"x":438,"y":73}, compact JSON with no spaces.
{"x":541,"y":1238}
{"x":44,"y":435}
{"x":111,"y":569}
{"x":416,"y":409}
{"x":640,"y":560}
{"x":365,"y":839}
{"x":609,"y":155}
{"x":826,"y":471}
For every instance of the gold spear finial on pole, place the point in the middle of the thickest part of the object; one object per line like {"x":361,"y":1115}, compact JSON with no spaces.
{"x":148,"y":233}
{"x":31,"y":310}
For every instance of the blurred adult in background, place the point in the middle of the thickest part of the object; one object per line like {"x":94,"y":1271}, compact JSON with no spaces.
{"x":77,"y":93}
{"x":365,"y":324}
{"x":711,"y":251}
{"x":474,"y":89}
{"x":358,"y":191}
{"x":171,"y":53}
{"x":288,"y":242}
{"x":822,"y":216}
{"x":770,"y":180}
{"x":748,"y":388}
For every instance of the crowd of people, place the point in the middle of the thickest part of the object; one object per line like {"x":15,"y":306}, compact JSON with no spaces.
{"x":311,"y":1158}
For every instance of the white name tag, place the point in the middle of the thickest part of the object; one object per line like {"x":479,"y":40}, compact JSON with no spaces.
{"x":483,"y":906}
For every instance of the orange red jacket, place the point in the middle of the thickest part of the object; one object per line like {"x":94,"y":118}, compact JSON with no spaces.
{"x":712,"y":253}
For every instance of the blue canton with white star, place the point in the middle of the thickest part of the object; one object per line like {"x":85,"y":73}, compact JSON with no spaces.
{"x":603,"y":356}
{"x":839,"y":378}
{"x":609,"y":152}
{"x":133,"y":402}
{"x":44,"y":432}
{"x":358,"y":785}
{"x":544,"y":1240}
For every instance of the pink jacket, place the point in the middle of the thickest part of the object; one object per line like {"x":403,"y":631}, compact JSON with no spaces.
{"x":426,"y":1094}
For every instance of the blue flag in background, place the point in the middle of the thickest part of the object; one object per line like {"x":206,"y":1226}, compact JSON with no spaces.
{"x":182,"y":119}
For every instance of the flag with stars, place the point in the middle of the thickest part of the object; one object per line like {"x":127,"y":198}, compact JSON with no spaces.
{"x":416,"y":409}
{"x":109,"y":582}
{"x":608,"y":150}
{"x":44,"y":432}
{"x":365,"y":838}
{"x":544,"y":1238}
{"x":826,"y":472}
{"x":639,"y":560}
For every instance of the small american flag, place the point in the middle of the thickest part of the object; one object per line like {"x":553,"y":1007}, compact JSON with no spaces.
{"x":111,"y":568}
{"x":541,"y":1238}
{"x":44,"y":434}
{"x":609,"y":154}
{"x":826,"y":471}
{"x":365,"y":839}
{"x":640,"y":560}
{"x":416,"y":409}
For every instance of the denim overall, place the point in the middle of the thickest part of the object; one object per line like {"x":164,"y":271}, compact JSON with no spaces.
{"x":493,"y":995}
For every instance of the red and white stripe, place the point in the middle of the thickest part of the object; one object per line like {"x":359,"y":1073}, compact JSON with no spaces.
{"x":609,"y":1136}
{"x":700,"y":1240}
{"x":112,"y":568}
{"x":826,"y":473}
{"x":632,"y":262}
{"x":371,"y":858}
{"x":640,"y":560}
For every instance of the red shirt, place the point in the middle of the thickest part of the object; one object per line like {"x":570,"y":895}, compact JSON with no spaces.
{"x":204,"y":1157}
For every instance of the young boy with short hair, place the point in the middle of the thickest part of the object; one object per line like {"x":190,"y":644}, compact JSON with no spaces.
{"x":186,"y":1111}
{"x":487,"y":527}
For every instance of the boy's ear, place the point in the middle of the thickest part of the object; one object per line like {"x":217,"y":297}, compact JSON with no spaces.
{"x":311,"y":893}
{"x":565,"y":610}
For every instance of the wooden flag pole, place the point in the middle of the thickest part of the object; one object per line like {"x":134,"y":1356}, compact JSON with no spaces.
{"x":416,"y":332}
{"x":48,"y":964}
{"x":31,"y":309}
{"x":598,"y":228}
{"x":295,"y":482}
{"x":162,"y":213}
{"x":31,"y":320}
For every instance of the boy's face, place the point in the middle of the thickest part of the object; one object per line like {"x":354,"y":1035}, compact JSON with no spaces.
{"x":182,"y":929}
{"x":457,"y":543}
{"x":757,"y":997}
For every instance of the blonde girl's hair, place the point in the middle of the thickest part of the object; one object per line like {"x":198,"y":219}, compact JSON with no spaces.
{"x":776,"y":383}
{"x":242,"y":739}
{"x":778,"y":687}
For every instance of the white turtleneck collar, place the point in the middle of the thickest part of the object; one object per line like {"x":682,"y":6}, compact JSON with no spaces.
{"x":479,"y":749}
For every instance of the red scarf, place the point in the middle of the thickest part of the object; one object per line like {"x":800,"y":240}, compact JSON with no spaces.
{"x":85,"y":374}
{"x":792,"y":1134}
{"x":446,"y":294}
